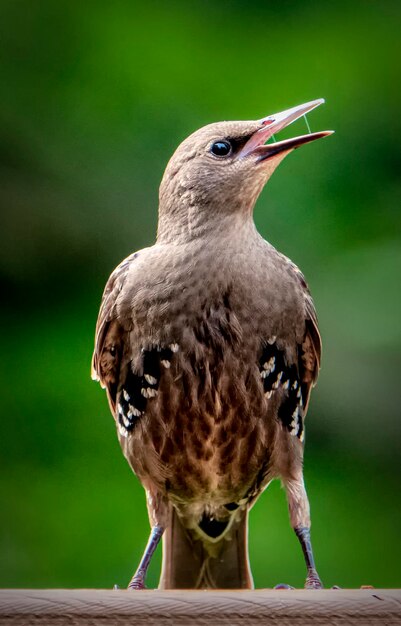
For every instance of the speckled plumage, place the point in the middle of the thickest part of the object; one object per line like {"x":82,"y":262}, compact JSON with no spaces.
{"x":207,"y":345}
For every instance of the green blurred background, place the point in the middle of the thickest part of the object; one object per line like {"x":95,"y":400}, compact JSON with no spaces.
{"x":95,"y":96}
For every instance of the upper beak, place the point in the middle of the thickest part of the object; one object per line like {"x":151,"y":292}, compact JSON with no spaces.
{"x":273,"y":124}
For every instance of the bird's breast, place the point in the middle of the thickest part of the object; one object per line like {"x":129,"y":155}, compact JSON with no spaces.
{"x":192,"y":413}
{"x":193,"y":421}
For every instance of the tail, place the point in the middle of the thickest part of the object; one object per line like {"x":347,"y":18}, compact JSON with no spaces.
{"x":188,"y":565}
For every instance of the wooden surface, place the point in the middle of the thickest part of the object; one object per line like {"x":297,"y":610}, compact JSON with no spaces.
{"x":215,"y":608}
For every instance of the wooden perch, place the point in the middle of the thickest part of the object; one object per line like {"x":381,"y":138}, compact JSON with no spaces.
{"x":216,"y":608}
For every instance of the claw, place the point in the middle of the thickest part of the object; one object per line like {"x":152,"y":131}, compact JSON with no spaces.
{"x":116,"y":587}
{"x":283,"y":586}
{"x":137,"y":583}
{"x":313,"y":581}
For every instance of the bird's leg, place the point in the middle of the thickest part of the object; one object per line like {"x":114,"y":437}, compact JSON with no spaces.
{"x":312,"y":580}
{"x":298,"y":505}
{"x":138,"y":579}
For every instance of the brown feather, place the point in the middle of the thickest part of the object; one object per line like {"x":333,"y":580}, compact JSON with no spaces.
{"x":208,"y":346}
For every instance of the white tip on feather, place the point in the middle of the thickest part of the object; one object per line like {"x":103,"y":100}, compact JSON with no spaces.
{"x":277,"y":382}
{"x":123,"y":431}
{"x":270,"y":365}
{"x":126,"y":421}
{"x":147,"y":392}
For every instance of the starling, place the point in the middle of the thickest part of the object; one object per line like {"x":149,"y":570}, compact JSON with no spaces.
{"x":208,"y":346}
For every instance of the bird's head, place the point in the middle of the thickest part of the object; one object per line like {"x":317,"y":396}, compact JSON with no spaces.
{"x":221,"y":169}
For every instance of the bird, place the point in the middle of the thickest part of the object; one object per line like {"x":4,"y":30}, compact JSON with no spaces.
{"x":207,"y":344}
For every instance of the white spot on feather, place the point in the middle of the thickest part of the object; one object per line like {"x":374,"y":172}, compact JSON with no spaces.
{"x":126,"y":396}
{"x":123,"y":431}
{"x":277,"y":382}
{"x":148,"y":392}
{"x":126,"y":421}
{"x":165,"y":363}
{"x":134,"y":411}
{"x":150,"y":379}
{"x":174,"y":347}
{"x":269,"y":366}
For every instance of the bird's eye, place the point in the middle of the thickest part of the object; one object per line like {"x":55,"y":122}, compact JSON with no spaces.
{"x":220,"y":148}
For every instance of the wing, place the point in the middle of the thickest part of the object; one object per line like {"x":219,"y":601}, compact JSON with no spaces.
{"x":296,"y":378}
{"x":109,"y":334}
{"x":309,"y":353}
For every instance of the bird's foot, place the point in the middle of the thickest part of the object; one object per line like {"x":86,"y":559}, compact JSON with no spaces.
{"x":136,"y":582}
{"x":283,"y":586}
{"x":313,"y":581}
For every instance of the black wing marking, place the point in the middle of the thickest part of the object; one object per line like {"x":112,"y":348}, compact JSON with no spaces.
{"x":276,"y":373}
{"x":138,"y":388}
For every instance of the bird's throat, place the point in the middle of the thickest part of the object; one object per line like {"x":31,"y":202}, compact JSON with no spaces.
{"x":187,"y":223}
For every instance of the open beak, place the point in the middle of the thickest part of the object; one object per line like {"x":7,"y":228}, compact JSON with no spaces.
{"x":272,"y":124}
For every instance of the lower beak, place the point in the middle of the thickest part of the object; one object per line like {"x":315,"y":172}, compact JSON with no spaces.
{"x":273,"y":124}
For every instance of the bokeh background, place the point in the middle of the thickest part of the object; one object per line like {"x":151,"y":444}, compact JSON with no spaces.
{"x":95,"y":96}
